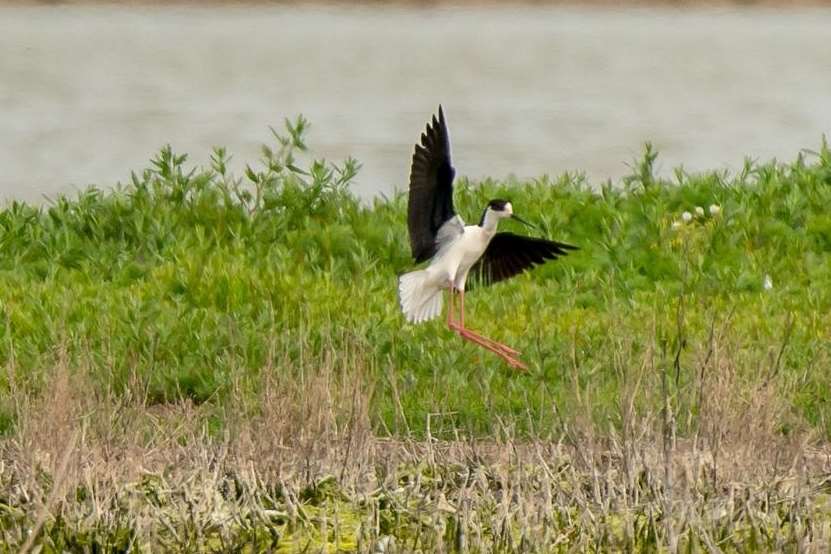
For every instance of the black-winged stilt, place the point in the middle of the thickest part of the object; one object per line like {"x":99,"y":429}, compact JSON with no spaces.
{"x":456,"y":250}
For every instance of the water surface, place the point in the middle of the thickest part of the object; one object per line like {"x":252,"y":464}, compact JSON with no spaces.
{"x":89,"y":93}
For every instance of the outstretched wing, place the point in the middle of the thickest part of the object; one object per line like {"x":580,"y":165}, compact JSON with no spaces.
{"x":508,"y":254}
{"x":431,"y":191}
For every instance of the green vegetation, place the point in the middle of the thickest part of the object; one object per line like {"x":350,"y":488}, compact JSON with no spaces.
{"x":190,"y":281}
{"x":194,"y":287}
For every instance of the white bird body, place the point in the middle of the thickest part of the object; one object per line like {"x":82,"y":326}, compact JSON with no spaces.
{"x":463,"y":253}
{"x":460,"y":247}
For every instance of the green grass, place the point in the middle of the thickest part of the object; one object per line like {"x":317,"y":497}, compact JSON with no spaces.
{"x":188,"y":281}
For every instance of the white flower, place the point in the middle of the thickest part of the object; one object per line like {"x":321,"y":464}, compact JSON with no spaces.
{"x":715,"y":209}
{"x":768,"y":284}
{"x":687,"y":217}
{"x":699,"y":211}
{"x":677,"y":224}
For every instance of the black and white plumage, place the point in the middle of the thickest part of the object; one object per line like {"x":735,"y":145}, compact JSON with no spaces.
{"x":455,"y":250}
{"x":508,"y":254}
{"x":431,"y":190}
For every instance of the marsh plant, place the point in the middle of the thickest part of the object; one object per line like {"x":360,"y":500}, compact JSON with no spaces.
{"x":205,"y":361}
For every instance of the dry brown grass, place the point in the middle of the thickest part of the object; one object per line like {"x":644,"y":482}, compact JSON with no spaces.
{"x":301,"y":465}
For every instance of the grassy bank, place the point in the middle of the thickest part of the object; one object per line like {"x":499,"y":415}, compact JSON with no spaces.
{"x":190,"y":283}
{"x":206,"y":322}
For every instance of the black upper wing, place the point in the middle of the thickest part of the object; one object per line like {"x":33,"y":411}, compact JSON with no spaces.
{"x":431,"y":189}
{"x":509,"y":254}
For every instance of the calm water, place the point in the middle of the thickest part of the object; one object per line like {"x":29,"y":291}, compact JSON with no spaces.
{"x":87,"y":94}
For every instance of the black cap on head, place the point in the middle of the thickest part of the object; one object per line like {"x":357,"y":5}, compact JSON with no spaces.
{"x":497,"y":205}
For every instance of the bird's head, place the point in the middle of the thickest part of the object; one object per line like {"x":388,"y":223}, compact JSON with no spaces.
{"x":500,"y":209}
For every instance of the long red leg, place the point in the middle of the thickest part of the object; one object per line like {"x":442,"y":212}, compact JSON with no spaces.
{"x":492,"y":343}
{"x":487,"y":345}
{"x":504,"y":352}
{"x":505,"y":348}
{"x":450,"y":306}
{"x":462,"y":308}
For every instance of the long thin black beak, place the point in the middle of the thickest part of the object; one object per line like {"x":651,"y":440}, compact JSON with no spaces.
{"x":531,"y":225}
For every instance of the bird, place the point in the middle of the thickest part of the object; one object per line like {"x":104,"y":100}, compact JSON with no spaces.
{"x":455,"y":250}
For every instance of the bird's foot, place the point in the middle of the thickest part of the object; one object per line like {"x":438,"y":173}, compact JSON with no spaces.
{"x":491,"y":344}
{"x":512,"y":361}
{"x":505,"y":352}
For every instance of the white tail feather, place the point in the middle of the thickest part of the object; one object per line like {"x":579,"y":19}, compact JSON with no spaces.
{"x":420,"y":299}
